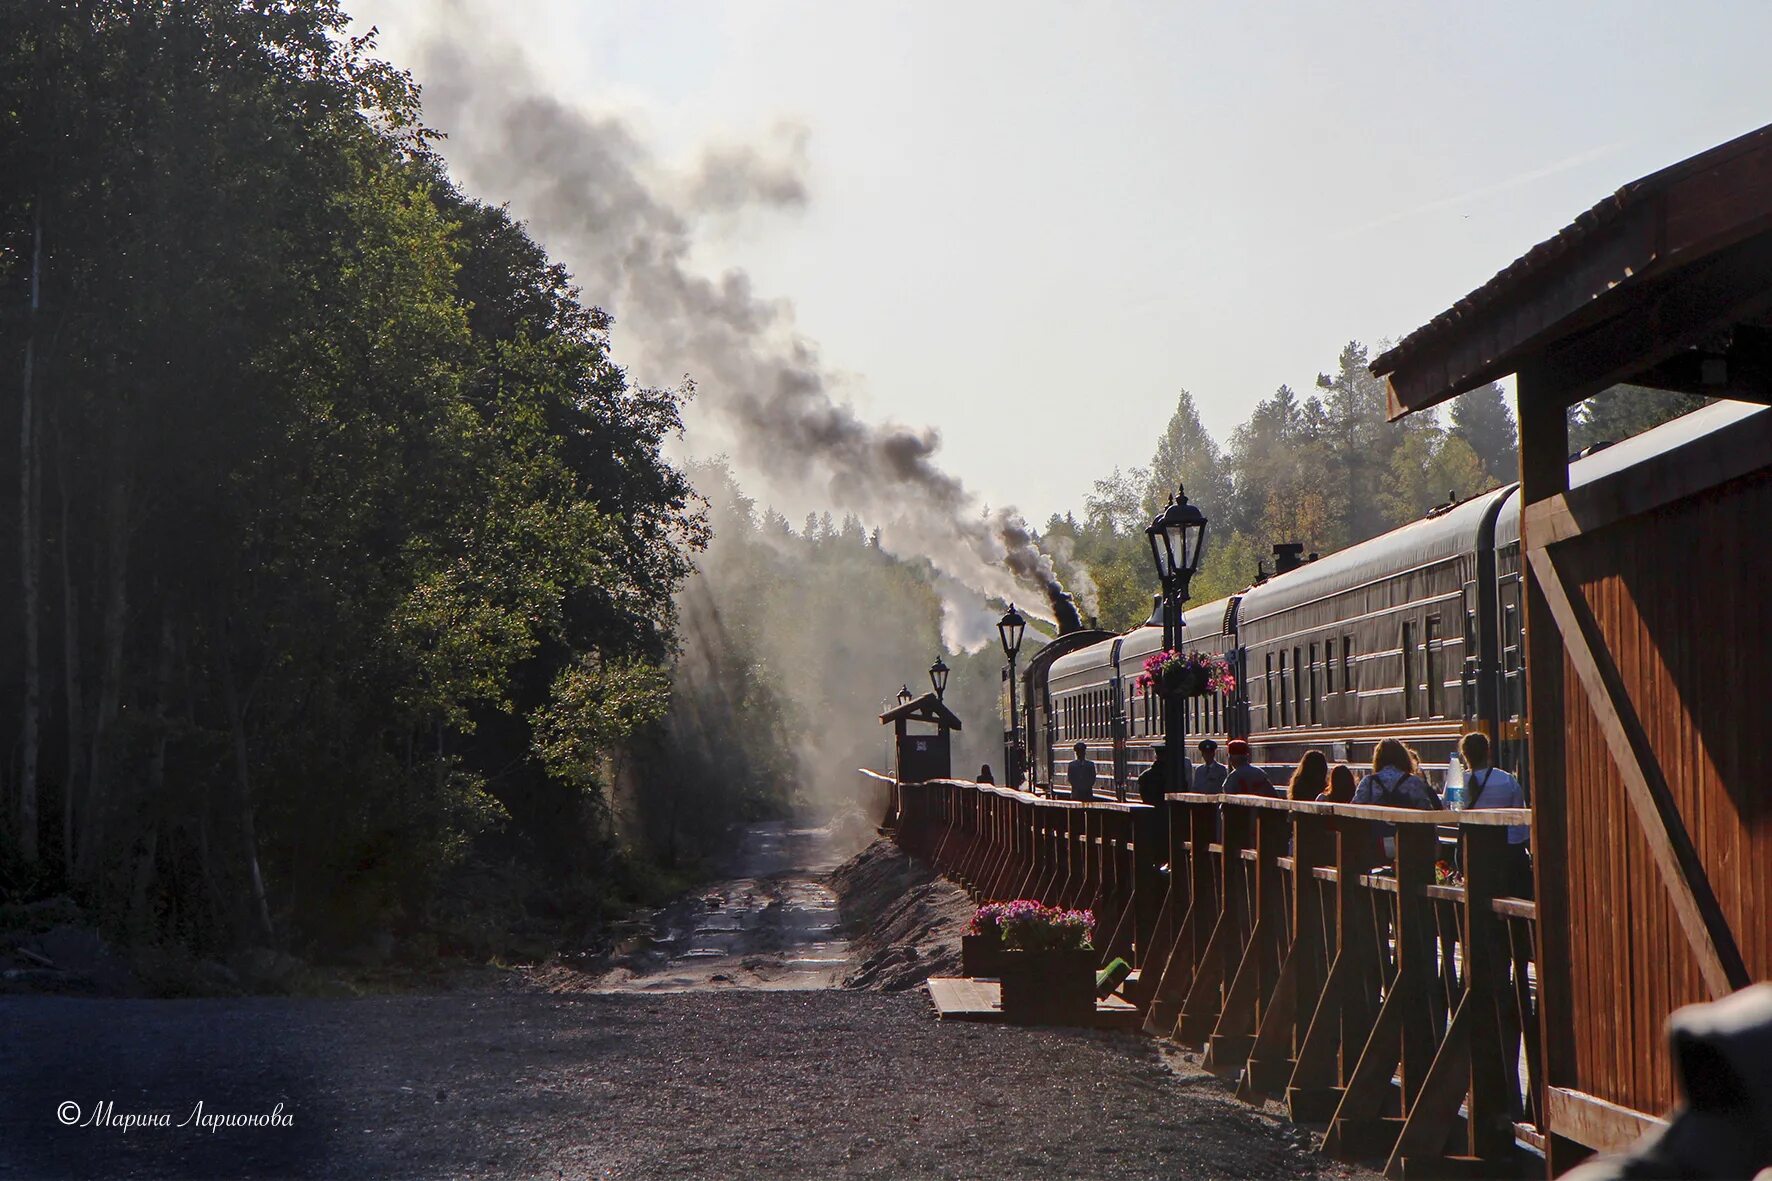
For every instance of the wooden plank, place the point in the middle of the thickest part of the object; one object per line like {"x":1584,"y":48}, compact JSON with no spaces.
{"x":1435,"y":1109}
{"x":1590,"y":1120}
{"x":1706,"y":929}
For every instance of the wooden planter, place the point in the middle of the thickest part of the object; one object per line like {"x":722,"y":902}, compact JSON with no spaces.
{"x":1048,"y":987}
{"x":981,"y":955}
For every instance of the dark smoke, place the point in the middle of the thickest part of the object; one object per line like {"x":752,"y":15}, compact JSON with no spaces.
{"x":595,"y":197}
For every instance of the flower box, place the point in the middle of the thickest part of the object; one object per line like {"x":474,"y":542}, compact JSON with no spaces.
{"x":981,"y":955}
{"x":1049,"y":987}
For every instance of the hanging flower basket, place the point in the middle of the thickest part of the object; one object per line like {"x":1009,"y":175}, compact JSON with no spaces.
{"x":1194,"y":674}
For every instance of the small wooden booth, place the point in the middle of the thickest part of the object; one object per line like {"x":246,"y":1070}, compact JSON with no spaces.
{"x":920,"y":756}
{"x":1648,"y":633}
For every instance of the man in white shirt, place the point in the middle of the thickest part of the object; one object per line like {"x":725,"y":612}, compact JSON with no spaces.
{"x":1492,"y":787}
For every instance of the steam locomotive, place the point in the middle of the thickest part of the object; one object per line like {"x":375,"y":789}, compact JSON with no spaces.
{"x":1414,"y":634}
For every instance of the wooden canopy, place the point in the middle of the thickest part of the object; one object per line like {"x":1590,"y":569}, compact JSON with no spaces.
{"x":1661,"y":284}
{"x":927,"y":708}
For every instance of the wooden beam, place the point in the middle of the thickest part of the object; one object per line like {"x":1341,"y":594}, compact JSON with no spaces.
{"x":1600,"y":1125}
{"x":1701,"y":918}
{"x":1688,"y":308}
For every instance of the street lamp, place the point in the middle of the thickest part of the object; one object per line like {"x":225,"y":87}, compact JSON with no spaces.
{"x":938,"y":676}
{"x":905,"y":695}
{"x":1177,"y":536}
{"x":1009,"y":630}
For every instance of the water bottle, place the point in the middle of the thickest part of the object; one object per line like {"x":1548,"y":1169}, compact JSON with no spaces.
{"x":1455,"y":783}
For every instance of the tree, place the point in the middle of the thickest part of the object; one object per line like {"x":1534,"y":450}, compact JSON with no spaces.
{"x":1187,"y":455}
{"x":1481,"y":418}
{"x":1621,"y":411}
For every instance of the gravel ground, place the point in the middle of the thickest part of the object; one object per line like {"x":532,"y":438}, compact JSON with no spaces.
{"x":730,"y":1084}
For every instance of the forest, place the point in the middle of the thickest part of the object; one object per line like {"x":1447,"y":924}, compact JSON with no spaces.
{"x":356,"y":596}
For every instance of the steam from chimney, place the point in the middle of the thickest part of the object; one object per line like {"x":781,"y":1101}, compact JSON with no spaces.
{"x":591,"y":192}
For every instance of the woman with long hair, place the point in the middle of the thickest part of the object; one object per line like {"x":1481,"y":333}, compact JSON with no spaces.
{"x":1310,"y":778}
{"x":1341,"y":786}
{"x":1395,"y":781}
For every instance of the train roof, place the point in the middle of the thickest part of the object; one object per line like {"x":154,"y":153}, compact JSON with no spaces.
{"x":1206,"y":619}
{"x":1419,"y":543}
{"x":1669,"y":436}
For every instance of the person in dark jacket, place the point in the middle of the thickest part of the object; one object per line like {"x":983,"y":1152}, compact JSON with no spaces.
{"x":984,"y":775}
{"x":1153,"y":781}
{"x":1081,"y":774}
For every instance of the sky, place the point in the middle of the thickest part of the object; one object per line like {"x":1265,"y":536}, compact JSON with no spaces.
{"x":1028,"y":225}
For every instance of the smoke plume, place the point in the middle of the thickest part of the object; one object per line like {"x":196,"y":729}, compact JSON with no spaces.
{"x":593,"y":194}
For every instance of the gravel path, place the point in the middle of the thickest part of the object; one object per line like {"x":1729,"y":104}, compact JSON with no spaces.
{"x":735,"y":1084}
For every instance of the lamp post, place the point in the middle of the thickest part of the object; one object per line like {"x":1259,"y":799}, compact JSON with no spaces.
{"x":1176,"y":536}
{"x":938,"y":676}
{"x":1009,"y":630}
{"x":905,"y":695}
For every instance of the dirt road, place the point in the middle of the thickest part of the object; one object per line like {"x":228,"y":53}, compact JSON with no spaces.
{"x":772,"y":925}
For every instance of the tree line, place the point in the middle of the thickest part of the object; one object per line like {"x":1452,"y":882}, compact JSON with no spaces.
{"x":344,"y":553}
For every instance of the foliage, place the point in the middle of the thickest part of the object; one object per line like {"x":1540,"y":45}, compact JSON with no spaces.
{"x":358,"y":553}
{"x":1621,"y":411}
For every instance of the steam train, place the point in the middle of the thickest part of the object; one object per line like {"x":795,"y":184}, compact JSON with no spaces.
{"x":1415,"y":634}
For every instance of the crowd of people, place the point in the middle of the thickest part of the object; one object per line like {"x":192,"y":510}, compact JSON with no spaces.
{"x":1394,"y":781}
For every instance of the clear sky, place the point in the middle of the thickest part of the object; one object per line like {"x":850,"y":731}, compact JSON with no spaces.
{"x":1029,"y":224}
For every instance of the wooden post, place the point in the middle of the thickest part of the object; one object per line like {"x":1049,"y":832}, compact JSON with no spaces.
{"x":1544,"y":473}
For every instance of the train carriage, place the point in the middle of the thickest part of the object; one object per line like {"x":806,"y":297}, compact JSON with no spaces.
{"x":1415,"y":634}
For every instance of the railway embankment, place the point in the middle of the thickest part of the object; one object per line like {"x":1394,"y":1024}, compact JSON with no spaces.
{"x":903,"y":919}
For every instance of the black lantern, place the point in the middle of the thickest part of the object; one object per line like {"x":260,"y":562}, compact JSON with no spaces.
{"x":905,"y":695}
{"x":1009,"y":628}
{"x":1177,"y":536}
{"x":938,"y":676}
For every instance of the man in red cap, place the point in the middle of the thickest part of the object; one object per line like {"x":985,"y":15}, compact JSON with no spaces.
{"x":1245,"y":778}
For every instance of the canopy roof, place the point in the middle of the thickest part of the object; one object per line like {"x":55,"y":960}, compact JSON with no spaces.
{"x":1667,"y":272}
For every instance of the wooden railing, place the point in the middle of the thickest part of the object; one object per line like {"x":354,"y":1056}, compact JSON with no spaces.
{"x":1282,"y":939}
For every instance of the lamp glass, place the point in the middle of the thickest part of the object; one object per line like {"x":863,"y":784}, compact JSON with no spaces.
{"x":938,"y":676}
{"x":1009,"y":630}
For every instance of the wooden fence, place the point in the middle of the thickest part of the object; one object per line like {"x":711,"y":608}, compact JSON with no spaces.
{"x":1394,"y":1011}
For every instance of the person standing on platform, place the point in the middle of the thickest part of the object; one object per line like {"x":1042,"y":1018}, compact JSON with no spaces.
{"x":1310,"y":779}
{"x":985,"y":776}
{"x":1153,"y":781}
{"x":1341,"y":786}
{"x":1491,"y":787}
{"x":1081,"y":774}
{"x":1244,"y":778}
{"x":1209,"y":776}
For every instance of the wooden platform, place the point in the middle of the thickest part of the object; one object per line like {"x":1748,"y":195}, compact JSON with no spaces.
{"x":968,"y":998}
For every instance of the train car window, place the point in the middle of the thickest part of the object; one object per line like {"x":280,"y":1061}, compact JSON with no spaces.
{"x":1267,"y":700}
{"x":1347,"y":662}
{"x":1285,"y":702}
{"x":1315,"y":695}
{"x":1298,"y":686}
{"x":1436,"y":688}
{"x":1329,"y":666}
{"x":1408,"y":669}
